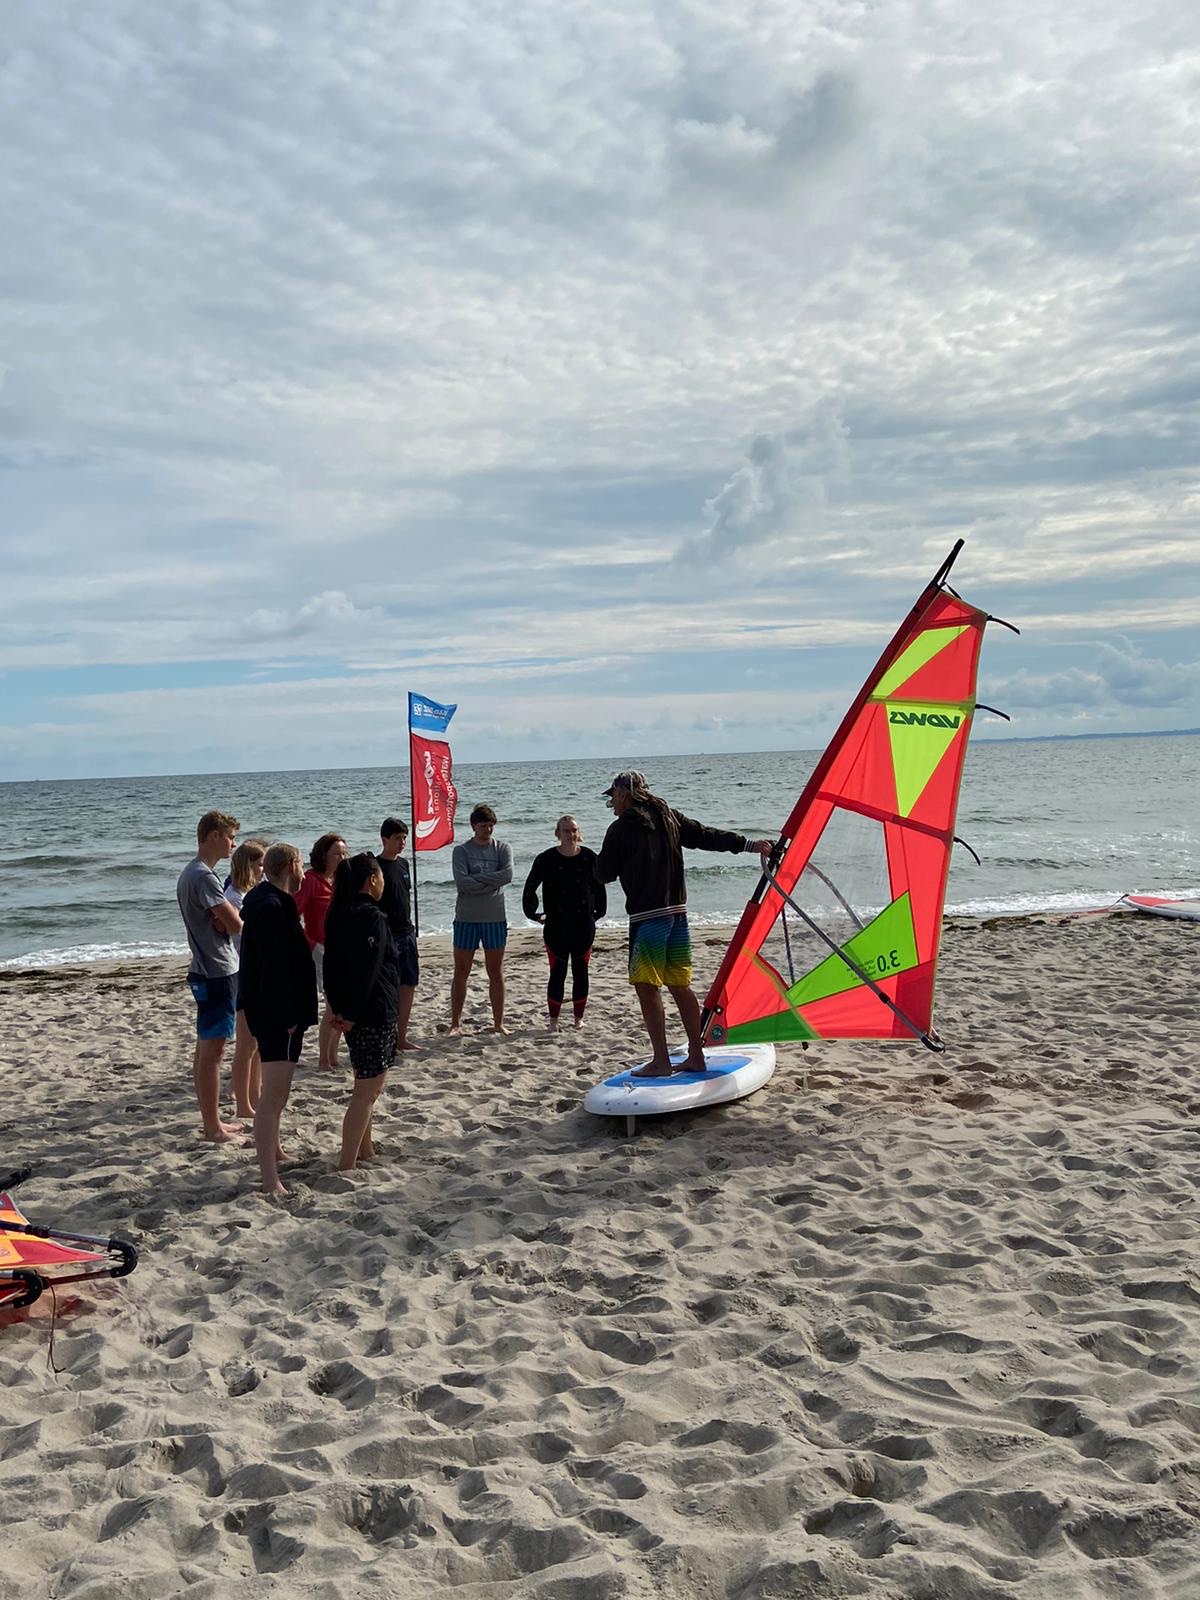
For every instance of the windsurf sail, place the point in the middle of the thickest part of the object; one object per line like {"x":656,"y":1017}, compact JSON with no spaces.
{"x":840,"y":940}
{"x":33,"y":1259}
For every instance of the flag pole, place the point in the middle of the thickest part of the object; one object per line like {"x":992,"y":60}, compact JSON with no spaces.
{"x":412,"y":823}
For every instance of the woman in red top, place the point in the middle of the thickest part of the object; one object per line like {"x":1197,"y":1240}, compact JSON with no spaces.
{"x":312,"y":902}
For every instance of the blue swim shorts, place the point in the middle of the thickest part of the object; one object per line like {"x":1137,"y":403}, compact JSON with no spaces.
{"x":660,"y":951}
{"x":216,"y":1006}
{"x":470,"y":935}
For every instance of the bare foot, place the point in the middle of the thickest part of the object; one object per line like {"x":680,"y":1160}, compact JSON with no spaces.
{"x":652,"y":1069}
{"x":407,"y":1044}
{"x":327,"y":1066}
{"x":500,"y":1028}
{"x":454,"y":1030}
{"x":552,"y":1025}
{"x":276,"y":1193}
{"x":245,"y":1112}
{"x":579,"y":1022}
{"x":226,"y":1133}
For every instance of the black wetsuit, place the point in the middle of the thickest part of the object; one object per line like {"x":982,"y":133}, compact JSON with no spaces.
{"x":573,"y":898}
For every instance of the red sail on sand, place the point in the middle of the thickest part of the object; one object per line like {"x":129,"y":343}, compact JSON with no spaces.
{"x":840,"y":941}
{"x":33,"y":1259}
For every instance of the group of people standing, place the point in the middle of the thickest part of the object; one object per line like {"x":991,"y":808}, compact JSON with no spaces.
{"x":268,"y":939}
{"x":262,"y":946}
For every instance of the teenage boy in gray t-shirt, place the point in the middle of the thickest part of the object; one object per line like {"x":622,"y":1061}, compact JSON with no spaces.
{"x":212,"y":925}
{"x":481,"y":869}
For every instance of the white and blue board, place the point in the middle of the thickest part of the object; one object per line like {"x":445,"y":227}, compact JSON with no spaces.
{"x":732,"y":1072}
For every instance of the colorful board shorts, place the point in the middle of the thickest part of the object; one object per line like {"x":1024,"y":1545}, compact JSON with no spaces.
{"x":470,"y":935}
{"x":216,"y":1006}
{"x":372,"y":1049}
{"x":660,"y":951}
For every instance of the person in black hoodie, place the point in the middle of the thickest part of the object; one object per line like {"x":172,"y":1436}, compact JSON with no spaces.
{"x":573,"y":899}
{"x":362,"y":985}
{"x":644,"y":848}
{"x":277,"y":991}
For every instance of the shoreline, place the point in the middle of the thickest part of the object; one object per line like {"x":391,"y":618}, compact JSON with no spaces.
{"x":609,"y":930}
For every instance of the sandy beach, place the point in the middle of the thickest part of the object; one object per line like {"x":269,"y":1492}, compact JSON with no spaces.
{"x":901,"y":1326}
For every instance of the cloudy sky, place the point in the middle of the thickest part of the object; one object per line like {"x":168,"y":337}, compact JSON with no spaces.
{"x":618,"y":371}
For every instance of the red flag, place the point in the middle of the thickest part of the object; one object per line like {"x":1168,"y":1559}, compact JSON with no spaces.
{"x":434,"y":796}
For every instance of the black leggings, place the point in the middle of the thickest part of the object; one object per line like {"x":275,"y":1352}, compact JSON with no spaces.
{"x":573,"y":945}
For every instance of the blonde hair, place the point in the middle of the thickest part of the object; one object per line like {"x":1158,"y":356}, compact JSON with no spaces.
{"x":279,"y":858}
{"x":242,"y":862}
{"x":567,"y":817}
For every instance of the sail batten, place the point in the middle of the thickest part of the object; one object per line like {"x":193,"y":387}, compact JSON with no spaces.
{"x":851,"y":907}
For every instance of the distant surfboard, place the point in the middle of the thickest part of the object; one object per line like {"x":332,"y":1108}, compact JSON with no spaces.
{"x":733,"y":1071}
{"x":1159,"y":906}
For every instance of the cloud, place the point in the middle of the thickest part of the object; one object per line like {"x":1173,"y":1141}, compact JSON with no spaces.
{"x":733,"y":151}
{"x":324,"y":614}
{"x":541,"y":337}
{"x":779,"y":494}
{"x":1119,"y":677}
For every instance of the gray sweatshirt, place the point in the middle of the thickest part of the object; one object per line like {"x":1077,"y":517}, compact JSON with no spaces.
{"x":480,"y":873}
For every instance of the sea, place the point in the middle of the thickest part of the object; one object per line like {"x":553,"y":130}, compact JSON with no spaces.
{"x":88,"y":866}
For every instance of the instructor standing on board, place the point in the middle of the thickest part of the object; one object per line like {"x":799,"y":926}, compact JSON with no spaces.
{"x":644,"y":849}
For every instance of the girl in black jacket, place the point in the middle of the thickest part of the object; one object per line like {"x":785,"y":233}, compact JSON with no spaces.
{"x":362,"y":985}
{"x":277,"y":988}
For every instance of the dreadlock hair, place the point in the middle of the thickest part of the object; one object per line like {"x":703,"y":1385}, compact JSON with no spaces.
{"x":348,"y":881}
{"x":656,"y":811}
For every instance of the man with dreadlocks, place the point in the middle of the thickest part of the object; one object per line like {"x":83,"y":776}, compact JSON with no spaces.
{"x":644,"y":848}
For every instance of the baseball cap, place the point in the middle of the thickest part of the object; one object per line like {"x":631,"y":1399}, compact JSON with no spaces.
{"x":635,"y":782}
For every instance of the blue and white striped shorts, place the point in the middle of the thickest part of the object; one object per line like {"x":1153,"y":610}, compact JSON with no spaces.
{"x":470,"y":935}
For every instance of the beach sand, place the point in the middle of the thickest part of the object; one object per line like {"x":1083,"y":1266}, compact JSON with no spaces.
{"x":902,"y":1325}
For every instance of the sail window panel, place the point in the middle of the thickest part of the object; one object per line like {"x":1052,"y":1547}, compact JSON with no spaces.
{"x":843,"y":887}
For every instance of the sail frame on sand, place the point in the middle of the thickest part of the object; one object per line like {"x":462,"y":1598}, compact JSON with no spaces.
{"x":841,"y":937}
{"x":34,"y":1259}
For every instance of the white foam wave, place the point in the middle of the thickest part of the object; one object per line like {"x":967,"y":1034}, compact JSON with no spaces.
{"x":1018,"y":905}
{"x":82,"y":955}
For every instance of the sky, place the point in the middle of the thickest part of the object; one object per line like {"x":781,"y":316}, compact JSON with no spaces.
{"x":619,"y":372}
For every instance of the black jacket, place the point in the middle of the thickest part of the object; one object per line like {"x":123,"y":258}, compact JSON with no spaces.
{"x":362,"y":973}
{"x":277,"y":983}
{"x":572,"y":895}
{"x":639,"y":850}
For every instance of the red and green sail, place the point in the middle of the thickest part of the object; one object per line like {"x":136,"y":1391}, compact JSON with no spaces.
{"x":844,"y":943}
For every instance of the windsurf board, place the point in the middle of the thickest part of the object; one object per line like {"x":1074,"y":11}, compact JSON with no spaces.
{"x":732,"y":1072}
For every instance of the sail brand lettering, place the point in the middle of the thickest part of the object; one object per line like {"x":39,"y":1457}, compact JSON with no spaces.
{"x":923,"y":719}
